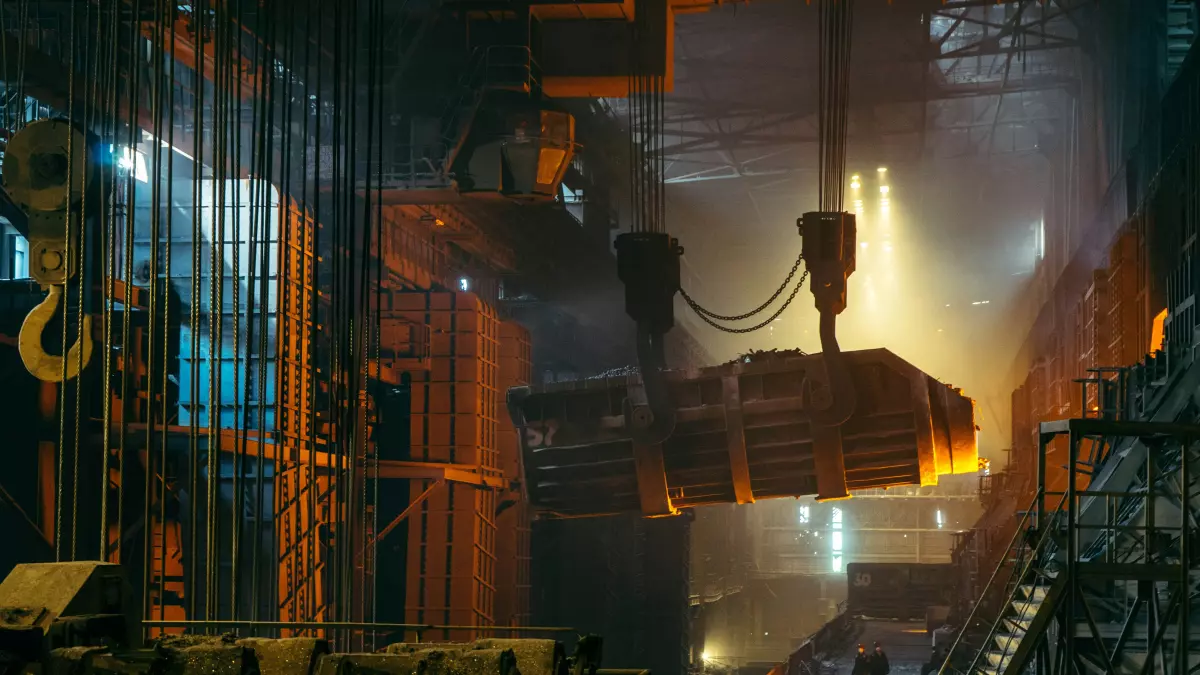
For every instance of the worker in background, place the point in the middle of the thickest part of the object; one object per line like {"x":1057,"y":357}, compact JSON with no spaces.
{"x":879,"y":661}
{"x":862,"y":662}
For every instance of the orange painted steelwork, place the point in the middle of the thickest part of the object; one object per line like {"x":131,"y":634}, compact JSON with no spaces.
{"x":452,"y":536}
{"x":180,"y":40}
{"x":513,"y":521}
{"x":1110,"y":326}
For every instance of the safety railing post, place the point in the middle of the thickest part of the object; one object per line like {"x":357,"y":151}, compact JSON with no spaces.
{"x":1071,"y":571}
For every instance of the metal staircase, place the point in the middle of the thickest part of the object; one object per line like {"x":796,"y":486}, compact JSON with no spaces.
{"x":1181,"y":32}
{"x":1021,"y":598}
{"x":1029,"y":613}
{"x":1107,"y":595}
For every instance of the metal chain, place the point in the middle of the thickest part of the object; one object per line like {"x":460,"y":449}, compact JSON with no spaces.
{"x":739,"y":317}
{"x":792,"y":296}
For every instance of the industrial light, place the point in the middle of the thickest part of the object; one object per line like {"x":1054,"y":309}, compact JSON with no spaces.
{"x":132,"y":161}
{"x":883,"y":189}
{"x":464,"y":284}
{"x":864,"y":244}
{"x":439,"y":222}
{"x":940,"y":519}
{"x":835,"y":544}
{"x":804,"y":514}
{"x":706,"y":656}
{"x":882,"y":169}
{"x":854,"y":184}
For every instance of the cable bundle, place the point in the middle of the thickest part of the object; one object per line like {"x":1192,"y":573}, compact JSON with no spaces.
{"x":834,"y":113}
{"x":646,"y":94}
{"x":834,"y":100}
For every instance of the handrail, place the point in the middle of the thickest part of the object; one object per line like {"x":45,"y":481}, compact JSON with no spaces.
{"x":996,"y":572}
{"x":1042,"y":538}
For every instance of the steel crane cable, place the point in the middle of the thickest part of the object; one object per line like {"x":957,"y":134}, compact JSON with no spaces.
{"x":645,"y":125}
{"x":836,"y":25}
{"x":835,"y":28}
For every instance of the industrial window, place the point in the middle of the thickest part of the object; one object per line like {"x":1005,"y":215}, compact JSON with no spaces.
{"x":15,"y":263}
{"x":835,"y":540}
{"x":573,"y":201}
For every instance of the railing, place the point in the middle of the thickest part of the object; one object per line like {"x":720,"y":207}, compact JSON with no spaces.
{"x":1023,"y":559}
{"x":412,"y":165}
{"x":829,"y":638}
{"x":508,"y":67}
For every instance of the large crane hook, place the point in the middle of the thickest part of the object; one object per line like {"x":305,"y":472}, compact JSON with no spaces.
{"x":46,"y":174}
{"x":42,"y":365}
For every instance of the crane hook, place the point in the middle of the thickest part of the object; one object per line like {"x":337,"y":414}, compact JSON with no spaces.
{"x":49,"y":367}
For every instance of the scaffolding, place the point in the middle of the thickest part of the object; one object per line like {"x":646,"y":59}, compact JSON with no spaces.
{"x":1097,"y":577}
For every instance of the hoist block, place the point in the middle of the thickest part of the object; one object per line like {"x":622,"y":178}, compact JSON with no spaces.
{"x":743,"y":432}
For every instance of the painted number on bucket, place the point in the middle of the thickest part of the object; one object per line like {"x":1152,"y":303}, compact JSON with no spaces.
{"x":536,"y":437}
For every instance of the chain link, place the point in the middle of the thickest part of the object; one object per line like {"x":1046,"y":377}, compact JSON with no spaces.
{"x":704,"y":312}
{"x":706,"y":315}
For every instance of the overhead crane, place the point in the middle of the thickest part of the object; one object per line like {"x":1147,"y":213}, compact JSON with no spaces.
{"x":145,"y":405}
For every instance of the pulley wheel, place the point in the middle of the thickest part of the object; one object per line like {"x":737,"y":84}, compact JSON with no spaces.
{"x":43,"y":162}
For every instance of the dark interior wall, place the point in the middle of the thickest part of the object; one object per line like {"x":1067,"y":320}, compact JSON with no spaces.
{"x":624,"y":578}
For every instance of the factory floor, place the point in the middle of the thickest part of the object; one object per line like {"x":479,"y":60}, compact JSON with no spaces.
{"x":907,"y":646}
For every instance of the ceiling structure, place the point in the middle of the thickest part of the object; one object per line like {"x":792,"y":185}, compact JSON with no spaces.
{"x":966,"y":102}
{"x":948,"y":81}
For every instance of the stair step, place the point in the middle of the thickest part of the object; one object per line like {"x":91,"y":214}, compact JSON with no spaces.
{"x":1025,"y":610}
{"x":998,"y":659}
{"x":1017,"y":626}
{"x":1008,"y":642}
{"x":1037,"y":593}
